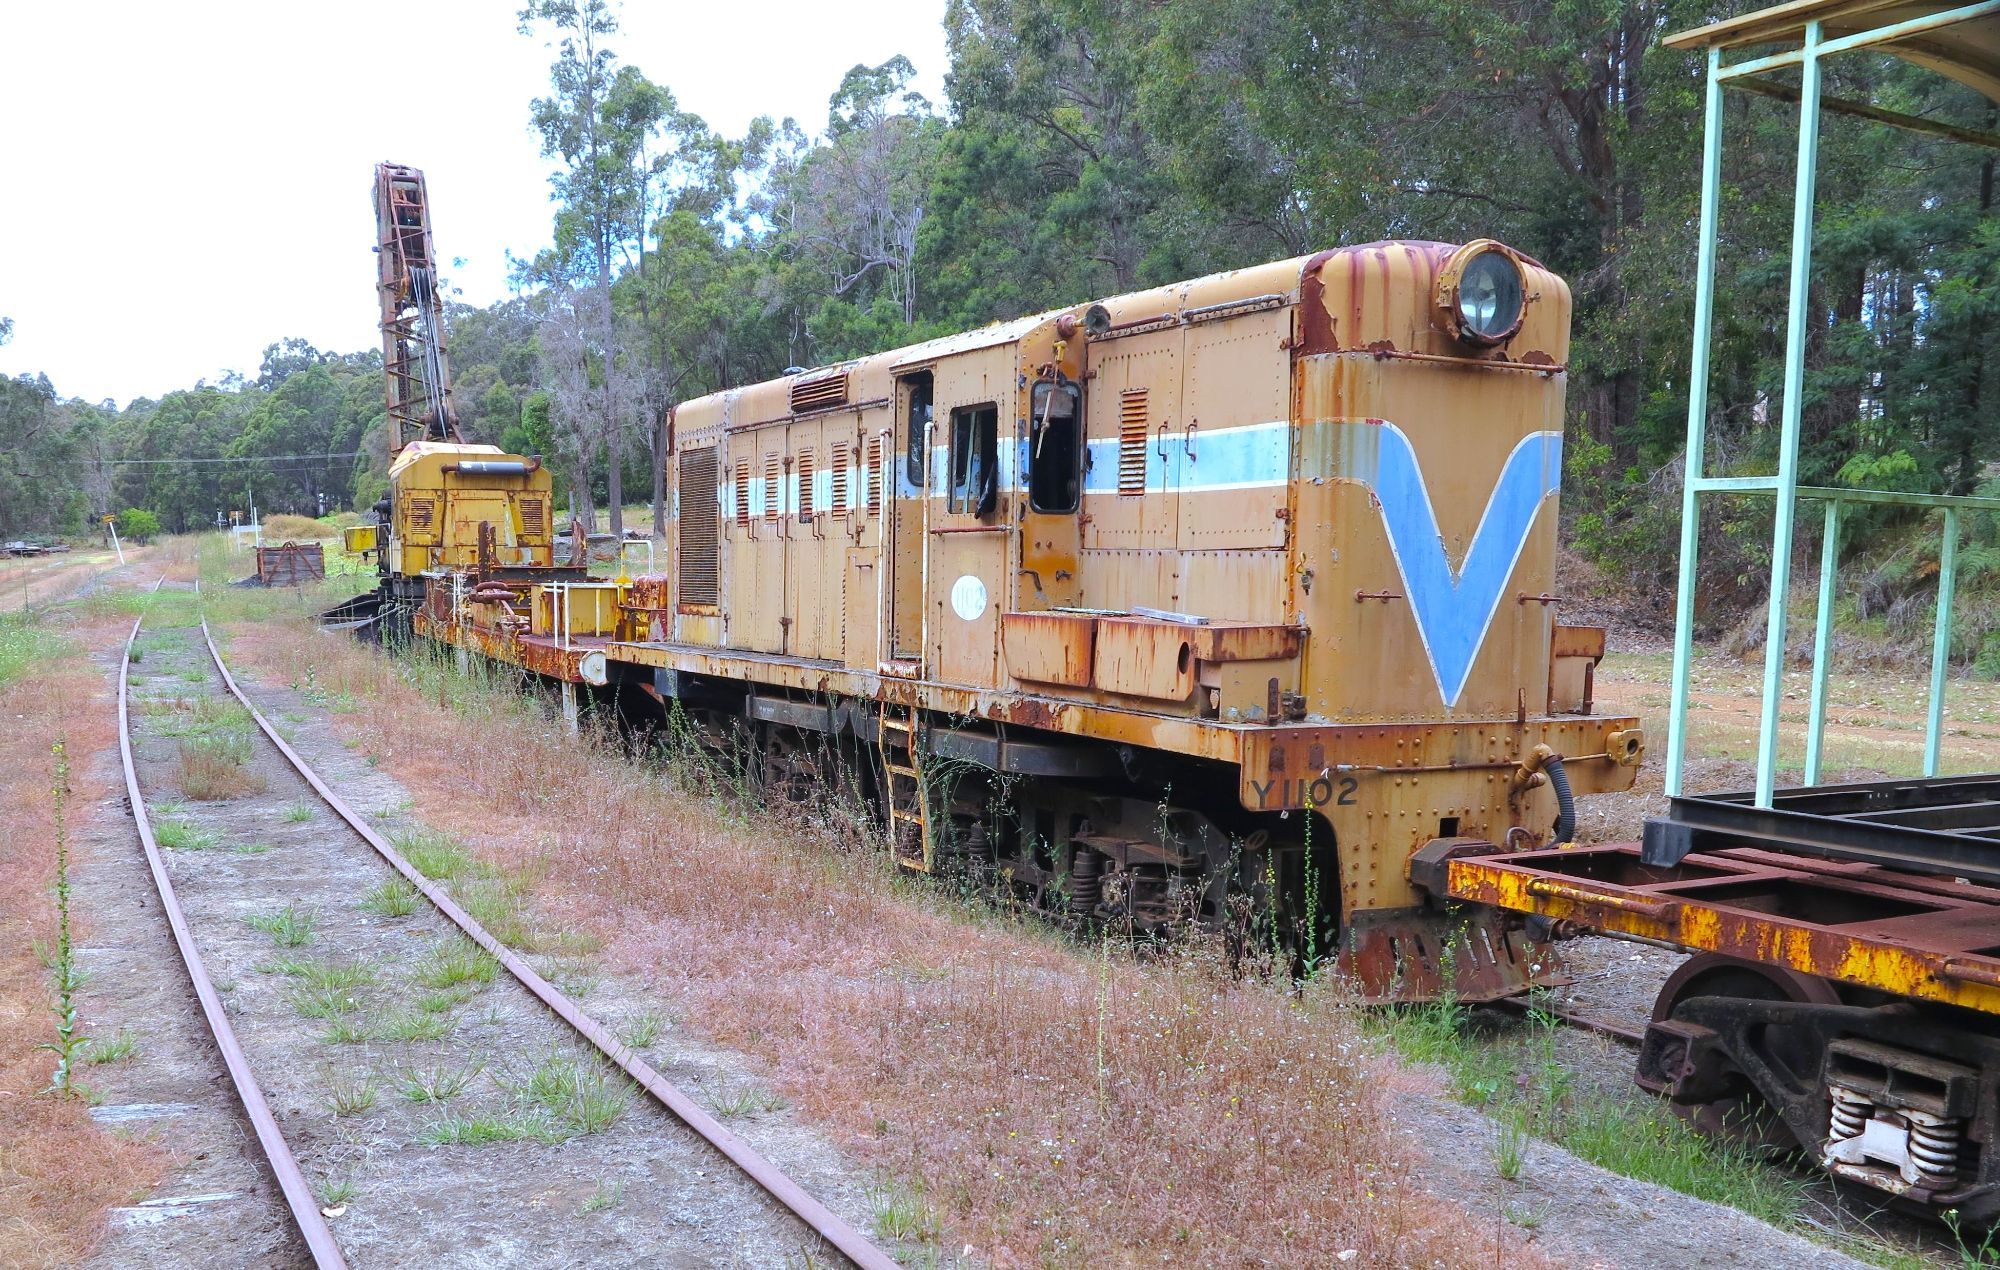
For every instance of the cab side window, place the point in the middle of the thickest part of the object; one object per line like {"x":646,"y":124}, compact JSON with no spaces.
{"x":916,"y":445}
{"x":975,"y":460}
{"x":1054,"y":460}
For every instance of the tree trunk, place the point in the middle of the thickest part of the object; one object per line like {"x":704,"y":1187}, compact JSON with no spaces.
{"x":660,"y":449}
{"x":614,"y":432}
{"x":579,"y":485}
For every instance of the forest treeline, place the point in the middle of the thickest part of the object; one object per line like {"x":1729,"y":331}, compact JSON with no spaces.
{"x":1087,"y":147}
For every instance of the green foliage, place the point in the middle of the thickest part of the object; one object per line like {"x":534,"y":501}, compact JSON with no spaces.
{"x":138,"y":525}
{"x":1090,"y":147}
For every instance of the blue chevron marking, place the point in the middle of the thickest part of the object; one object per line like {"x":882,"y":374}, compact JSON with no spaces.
{"x":1453,"y":608}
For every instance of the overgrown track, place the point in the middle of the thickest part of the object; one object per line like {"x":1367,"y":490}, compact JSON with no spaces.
{"x":298,"y":1195}
{"x":299,"y":1198}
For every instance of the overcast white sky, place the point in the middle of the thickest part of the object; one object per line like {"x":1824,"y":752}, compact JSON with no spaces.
{"x":183,"y":183}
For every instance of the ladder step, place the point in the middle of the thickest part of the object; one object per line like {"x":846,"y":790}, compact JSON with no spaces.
{"x":900,"y":770}
{"x":910,"y":816}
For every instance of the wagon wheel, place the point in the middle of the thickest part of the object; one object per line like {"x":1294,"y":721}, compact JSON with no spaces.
{"x":789,"y":769}
{"x":1743,"y":1114}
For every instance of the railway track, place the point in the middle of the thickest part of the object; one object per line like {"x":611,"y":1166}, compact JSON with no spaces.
{"x":304,"y":1207}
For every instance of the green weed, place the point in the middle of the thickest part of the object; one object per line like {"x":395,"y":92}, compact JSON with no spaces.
{"x":436,"y":1083}
{"x":298,"y":813}
{"x":183,"y":835}
{"x":344,"y":1031}
{"x":483,"y":1129}
{"x":323,"y":1003}
{"x":577,"y":1093}
{"x":606,"y":1194}
{"x":288,"y":927}
{"x":436,"y":856}
{"x":119,"y":1048}
{"x":350,"y":1095}
{"x":745,"y":1100}
{"x":456,"y":962}
{"x":641,"y":1030}
{"x":415,"y":1025}
{"x":903,"y":1213}
{"x":393,"y":898}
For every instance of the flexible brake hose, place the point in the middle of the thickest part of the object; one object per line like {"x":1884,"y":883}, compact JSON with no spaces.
{"x":1565,"y":800}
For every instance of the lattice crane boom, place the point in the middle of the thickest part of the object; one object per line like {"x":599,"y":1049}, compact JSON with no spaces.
{"x":416,"y":372}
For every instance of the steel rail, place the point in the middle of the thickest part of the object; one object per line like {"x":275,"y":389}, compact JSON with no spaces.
{"x":822,"y":1220}
{"x":1578,"y":1019}
{"x":284,"y":1166}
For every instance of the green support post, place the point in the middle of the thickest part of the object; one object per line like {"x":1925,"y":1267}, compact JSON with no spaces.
{"x":1704,"y":320}
{"x":1794,"y":401}
{"x":1829,"y":563}
{"x":1941,"y":640}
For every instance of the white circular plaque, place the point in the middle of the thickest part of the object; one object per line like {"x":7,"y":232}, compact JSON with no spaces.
{"x":968,"y":597}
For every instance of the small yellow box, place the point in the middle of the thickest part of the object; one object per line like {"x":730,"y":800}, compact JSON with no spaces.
{"x":358,"y":539}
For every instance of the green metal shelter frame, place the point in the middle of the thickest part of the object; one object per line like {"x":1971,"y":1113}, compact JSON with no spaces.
{"x":1961,"y":41}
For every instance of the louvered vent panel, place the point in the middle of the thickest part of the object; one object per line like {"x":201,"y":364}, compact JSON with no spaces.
{"x":534,"y":518}
{"x":874,"y":476}
{"x":743,"y":491}
{"x":774,"y":503}
{"x":806,"y":474}
{"x":1132,"y":441}
{"x":819,"y":394}
{"x":700,"y":511}
{"x":837,"y":480}
{"x":423,"y":515}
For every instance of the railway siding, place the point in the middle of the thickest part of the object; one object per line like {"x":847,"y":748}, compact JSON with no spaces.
{"x":439,"y":1112}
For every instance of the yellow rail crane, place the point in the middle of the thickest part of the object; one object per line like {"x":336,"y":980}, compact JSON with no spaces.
{"x":463,"y":523}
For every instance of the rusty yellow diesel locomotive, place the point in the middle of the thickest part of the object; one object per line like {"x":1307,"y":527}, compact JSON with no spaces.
{"x":1214,"y":602}
{"x":1240,"y":587}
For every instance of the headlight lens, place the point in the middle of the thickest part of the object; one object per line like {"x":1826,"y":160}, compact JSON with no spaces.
{"x":1489,"y":297}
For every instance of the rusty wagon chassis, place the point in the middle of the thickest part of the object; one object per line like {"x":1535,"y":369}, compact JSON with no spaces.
{"x":1847,"y":1000}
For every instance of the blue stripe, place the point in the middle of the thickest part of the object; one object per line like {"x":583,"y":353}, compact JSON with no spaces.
{"x":1453,"y":607}
{"x":1227,"y":458}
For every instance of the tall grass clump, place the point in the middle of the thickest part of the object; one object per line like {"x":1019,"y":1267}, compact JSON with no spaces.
{"x":216,"y":767}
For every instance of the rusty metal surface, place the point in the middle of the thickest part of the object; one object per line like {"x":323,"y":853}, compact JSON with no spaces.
{"x":292,"y":1183}
{"x":1912,"y":935}
{"x":782,"y":1188}
{"x":1050,"y":648}
{"x":293,"y":564}
{"x":542,"y":654}
{"x":1418,"y":954}
{"x":1137,"y":657}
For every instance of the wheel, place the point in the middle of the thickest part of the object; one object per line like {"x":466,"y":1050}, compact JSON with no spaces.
{"x":1741,"y":1112}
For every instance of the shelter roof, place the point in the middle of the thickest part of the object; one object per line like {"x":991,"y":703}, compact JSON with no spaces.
{"x":1967,"y":51}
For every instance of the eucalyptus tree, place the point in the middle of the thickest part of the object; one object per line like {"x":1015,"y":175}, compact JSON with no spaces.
{"x":595,"y":193}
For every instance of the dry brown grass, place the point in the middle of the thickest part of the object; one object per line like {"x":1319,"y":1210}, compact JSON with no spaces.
{"x":59,"y":1172}
{"x":282,"y":527}
{"x":1055,"y":1104}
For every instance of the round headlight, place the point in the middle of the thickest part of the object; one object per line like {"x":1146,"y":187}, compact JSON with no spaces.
{"x":1489,"y":297}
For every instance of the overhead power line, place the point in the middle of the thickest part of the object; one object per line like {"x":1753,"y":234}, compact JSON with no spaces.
{"x":249,"y":458}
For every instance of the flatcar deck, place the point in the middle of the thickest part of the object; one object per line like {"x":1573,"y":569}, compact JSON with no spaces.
{"x":1945,"y":825}
{"x":1909,"y":933}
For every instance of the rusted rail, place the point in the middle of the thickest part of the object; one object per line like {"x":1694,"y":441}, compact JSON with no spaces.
{"x":1578,"y":1019}
{"x":822,"y":1220}
{"x":284,"y":1166}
